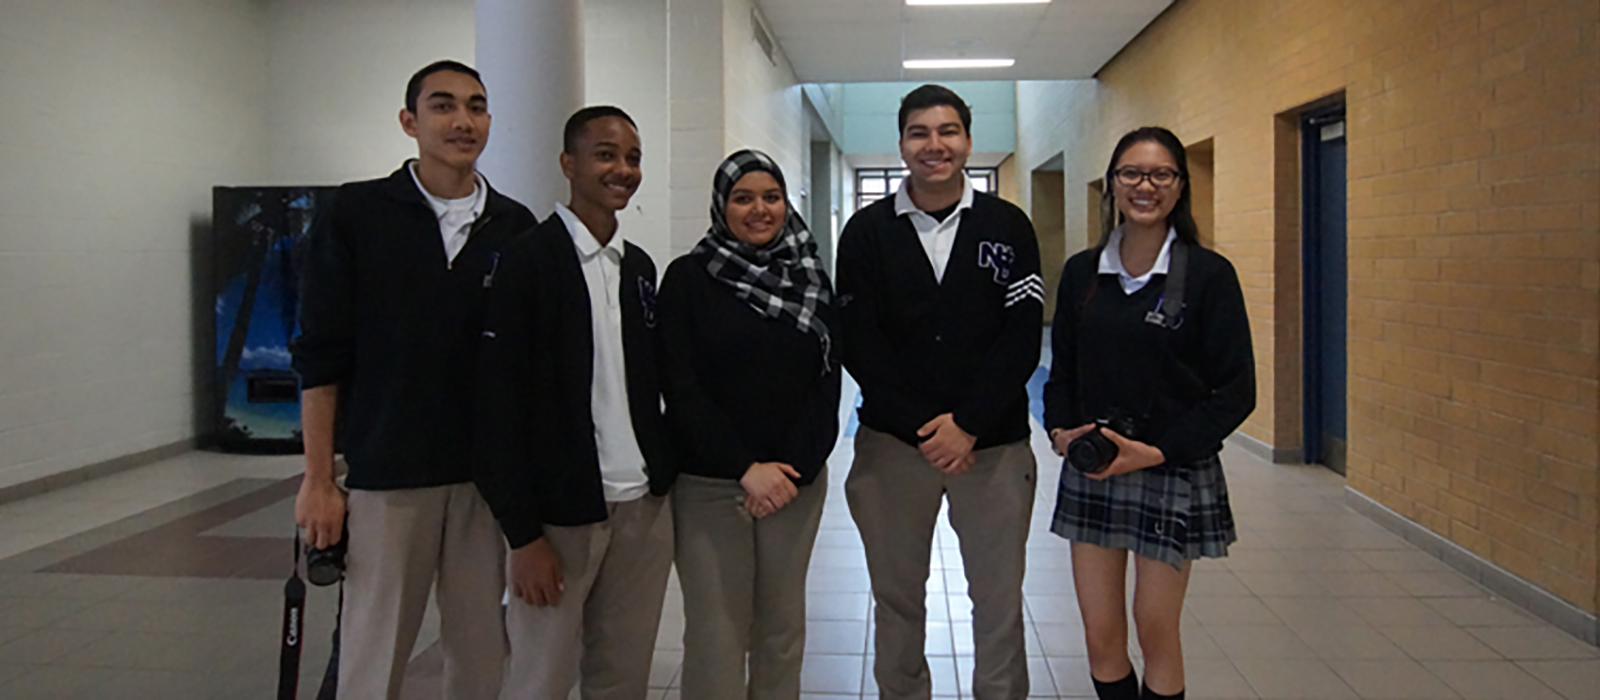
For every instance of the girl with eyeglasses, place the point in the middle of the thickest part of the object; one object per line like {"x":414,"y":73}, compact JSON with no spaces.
{"x":1152,"y":369}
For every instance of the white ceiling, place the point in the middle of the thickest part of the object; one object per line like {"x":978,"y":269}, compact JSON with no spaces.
{"x":865,"y":40}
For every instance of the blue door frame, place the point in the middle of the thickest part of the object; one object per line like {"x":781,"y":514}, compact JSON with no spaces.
{"x":1325,"y":293}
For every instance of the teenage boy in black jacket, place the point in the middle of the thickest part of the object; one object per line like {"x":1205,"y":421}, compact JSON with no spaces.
{"x":942,"y":306}
{"x":389,"y":323}
{"x":572,"y":445}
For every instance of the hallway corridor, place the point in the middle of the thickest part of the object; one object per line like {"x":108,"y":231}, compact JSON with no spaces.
{"x":165,"y":582}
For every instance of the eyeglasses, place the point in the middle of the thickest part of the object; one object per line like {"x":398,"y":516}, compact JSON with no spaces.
{"x":1160,"y":177}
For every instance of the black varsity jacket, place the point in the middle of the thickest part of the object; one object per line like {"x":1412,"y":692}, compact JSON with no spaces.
{"x":388,"y":319}
{"x":535,"y":457}
{"x":920,"y":348}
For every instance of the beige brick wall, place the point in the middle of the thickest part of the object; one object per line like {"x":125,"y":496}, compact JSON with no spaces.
{"x":1474,"y":239}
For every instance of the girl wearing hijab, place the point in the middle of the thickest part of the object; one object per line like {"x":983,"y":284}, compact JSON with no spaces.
{"x":751,"y":381}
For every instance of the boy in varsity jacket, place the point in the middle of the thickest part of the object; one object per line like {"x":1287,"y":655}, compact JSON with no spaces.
{"x":942,"y":304}
{"x":572,"y":445}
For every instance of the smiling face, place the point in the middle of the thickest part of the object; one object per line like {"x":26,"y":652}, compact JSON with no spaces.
{"x":451,"y":124}
{"x":1134,"y":183}
{"x":604,"y":163}
{"x":935,"y":146}
{"x":756,"y":209}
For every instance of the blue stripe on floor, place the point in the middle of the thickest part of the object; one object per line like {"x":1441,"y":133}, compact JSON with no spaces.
{"x":1036,"y":392}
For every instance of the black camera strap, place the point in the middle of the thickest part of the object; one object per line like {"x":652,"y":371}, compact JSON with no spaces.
{"x":293,"y":634}
{"x":1169,"y":314}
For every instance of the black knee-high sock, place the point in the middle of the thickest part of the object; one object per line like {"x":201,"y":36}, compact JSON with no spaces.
{"x":1125,"y":689}
{"x":1147,"y":694}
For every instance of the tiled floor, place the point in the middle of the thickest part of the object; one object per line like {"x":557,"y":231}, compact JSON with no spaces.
{"x":165,"y":582}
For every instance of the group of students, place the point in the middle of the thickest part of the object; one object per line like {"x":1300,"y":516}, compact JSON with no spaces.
{"x":526,"y":418}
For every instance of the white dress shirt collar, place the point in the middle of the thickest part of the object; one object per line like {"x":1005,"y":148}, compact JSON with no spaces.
{"x":938,"y":238}
{"x":588,"y":245}
{"x":1111,"y":261}
{"x":455,"y":216}
{"x":903,"y":204}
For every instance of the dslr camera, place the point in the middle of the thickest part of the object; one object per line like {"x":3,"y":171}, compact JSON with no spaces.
{"x":325,"y":567}
{"x":1093,"y":452}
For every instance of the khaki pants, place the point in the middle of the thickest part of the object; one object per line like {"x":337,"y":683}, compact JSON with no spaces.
{"x":400,"y":543}
{"x":895,"y":496}
{"x":744,"y":589}
{"x":603,"y":632}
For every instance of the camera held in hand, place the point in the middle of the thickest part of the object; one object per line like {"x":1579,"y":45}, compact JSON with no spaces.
{"x":325,"y":567}
{"x":1093,"y":452}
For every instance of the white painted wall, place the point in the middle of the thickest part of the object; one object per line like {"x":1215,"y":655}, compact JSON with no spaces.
{"x":121,"y":117}
{"x":625,"y":59}
{"x":724,"y":95}
{"x":1043,"y":132}
{"x":695,"y":109}
{"x":336,"y":76}
{"x":762,"y":108}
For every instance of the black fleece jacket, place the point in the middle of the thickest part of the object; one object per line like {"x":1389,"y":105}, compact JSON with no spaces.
{"x":394,"y":324}
{"x":535,"y":458}
{"x":741,"y":387}
{"x":1187,"y":389}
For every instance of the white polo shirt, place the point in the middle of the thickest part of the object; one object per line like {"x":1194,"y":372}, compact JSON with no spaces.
{"x":1111,"y":261}
{"x":937,"y":237}
{"x":455,"y":215}
{"x":622,"y":464}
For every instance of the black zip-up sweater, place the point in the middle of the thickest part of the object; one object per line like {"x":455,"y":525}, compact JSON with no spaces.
{"x":921,"y":348}
{"x":741,"y":387}
{"x":535,"y":457}
{"x":386,"y":317}
{"x":1188,"y":388}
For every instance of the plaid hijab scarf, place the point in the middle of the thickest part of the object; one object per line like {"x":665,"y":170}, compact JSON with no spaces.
{"x":783,"y":279}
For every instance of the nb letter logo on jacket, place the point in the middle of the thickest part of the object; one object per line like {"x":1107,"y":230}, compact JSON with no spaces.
{"x":997,"y":257}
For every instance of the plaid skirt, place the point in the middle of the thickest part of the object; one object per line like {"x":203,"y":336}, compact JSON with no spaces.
{"x":1169,"y":514}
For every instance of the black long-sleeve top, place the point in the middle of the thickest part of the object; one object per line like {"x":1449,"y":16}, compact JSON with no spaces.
{"x":920,"y":347}
{"x":394,"y":324}
{"x":741,"y":387}
{"x":535,"y":459}
{"x":1187,"y":388}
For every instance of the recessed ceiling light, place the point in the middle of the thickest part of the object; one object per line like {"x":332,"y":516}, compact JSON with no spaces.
{"x":977,"y":2}
{"x":914,"y":64}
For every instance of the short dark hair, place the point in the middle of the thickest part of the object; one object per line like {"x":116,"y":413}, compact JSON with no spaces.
{"x":414,"y":87}
{"x":581,"y":119}
{"x":934,"y":96}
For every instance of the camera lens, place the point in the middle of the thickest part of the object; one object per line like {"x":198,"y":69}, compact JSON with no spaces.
{"x":323,"y":573}
{"x":1091,"y":453}
{"x":325,"y":567}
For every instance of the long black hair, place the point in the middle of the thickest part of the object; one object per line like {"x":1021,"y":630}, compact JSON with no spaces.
{"x":1182,"y":217}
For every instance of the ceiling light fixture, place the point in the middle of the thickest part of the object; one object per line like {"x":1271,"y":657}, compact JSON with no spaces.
{"x":977,"y":2}
{"x":925,"y":63}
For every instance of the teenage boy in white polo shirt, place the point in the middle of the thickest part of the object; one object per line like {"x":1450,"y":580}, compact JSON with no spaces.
{"x":572,"y":443}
